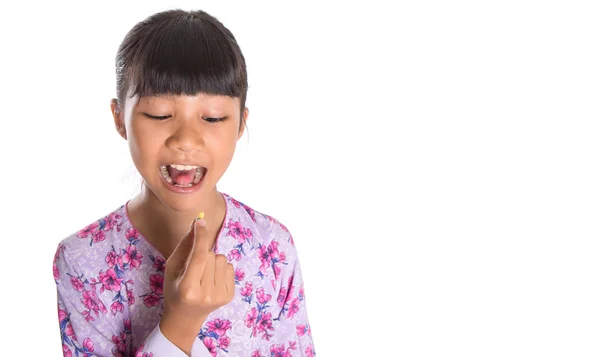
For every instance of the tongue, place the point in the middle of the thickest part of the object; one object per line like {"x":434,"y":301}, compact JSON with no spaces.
{"x":182,"y":177}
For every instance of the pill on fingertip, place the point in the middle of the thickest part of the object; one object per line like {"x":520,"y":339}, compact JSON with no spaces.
{"x":201,"y":215}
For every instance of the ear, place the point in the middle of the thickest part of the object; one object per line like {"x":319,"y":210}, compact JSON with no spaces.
{"x":117,"y":113}
{"x":243,"y":122}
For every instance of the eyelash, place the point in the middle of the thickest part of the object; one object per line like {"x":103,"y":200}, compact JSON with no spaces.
{"x":210,"y":120}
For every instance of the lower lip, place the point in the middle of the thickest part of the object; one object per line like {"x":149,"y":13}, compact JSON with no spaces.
{"x":182,"y":189}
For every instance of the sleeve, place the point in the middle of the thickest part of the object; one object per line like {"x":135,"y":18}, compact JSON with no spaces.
{"x":291,"y":329}
{"x":92,"y":324}
{"x":157,"y":345}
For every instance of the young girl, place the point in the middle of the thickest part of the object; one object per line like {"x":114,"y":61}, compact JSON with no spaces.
{"x":181,"y":269}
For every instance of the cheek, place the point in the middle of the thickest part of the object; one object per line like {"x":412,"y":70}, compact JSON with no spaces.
{"x":143,"y":144}
{"x":222,"y":149}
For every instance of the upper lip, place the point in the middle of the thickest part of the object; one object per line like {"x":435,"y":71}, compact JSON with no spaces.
{"x":181,"y":163}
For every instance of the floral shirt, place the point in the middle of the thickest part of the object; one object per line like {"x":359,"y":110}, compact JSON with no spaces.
{"x":109,"y":282}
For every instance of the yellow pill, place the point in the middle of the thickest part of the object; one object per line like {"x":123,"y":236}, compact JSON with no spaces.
{"x":201,"y":215}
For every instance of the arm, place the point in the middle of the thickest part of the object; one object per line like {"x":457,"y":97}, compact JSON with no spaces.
{"x":93,"y":325}
{"x":283,"y":321}
{"x":292,"y":329}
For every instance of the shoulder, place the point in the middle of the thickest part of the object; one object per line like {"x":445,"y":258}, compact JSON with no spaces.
{"x":85,"y":248}
{"x":264,"y":227}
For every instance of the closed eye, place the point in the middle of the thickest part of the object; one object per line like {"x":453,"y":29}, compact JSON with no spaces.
{"x":210,"y":120}
{"x":153,"y":117}
{"x":215,"y":120}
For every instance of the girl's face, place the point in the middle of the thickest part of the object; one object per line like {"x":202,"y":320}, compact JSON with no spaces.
{"x":199,"y":131}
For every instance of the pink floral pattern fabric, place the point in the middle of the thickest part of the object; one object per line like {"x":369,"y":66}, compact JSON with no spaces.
{"x":109,"y":282}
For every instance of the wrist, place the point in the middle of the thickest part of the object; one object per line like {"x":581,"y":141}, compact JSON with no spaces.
{"x":181,"y":331}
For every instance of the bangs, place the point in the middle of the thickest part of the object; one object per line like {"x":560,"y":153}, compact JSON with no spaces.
{"x":184,"y":56}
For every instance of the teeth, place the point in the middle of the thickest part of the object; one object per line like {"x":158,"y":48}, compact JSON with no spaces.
{"x":183,"y":167}
{"x":200,"y":171}
{"x":199,"y":175}
{"x":163,"y":170}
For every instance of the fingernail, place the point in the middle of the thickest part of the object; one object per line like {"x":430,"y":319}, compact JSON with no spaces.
{"x":200,"y":222}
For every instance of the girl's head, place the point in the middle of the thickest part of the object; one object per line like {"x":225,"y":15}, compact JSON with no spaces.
{"x":181,"y":93}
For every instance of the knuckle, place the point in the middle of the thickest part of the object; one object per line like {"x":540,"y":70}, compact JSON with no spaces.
{"x":188,"y":296}
{"x":207,"y":300}
{"x":221,"y":259}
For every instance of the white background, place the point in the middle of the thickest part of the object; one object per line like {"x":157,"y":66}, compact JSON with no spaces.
{"x":437,"y":164}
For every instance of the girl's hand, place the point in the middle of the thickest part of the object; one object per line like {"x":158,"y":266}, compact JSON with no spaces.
{"x":196,"y":283}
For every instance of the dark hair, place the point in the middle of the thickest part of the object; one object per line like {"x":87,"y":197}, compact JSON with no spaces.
{"x":181,"y":52}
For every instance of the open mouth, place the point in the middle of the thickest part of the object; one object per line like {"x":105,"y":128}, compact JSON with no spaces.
{"x":183,"y":175}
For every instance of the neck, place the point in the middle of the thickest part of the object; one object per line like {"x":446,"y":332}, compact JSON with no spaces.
{"x":164,"y":227}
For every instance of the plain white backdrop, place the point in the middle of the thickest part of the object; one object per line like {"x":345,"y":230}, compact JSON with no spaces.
{"x":436,"y":162}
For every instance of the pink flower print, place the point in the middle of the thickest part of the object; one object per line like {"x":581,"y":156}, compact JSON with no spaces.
{"x":91,"y":301}
{"x":291,"y":291}
{"x":250,"y":318}
{"x":235,"y":202}
{"x":210,"y":345}
{"x":239,"y":275}
{"x":156,"y":283}
{"x":99,"y":236}
{"x":302,"y":330}
{"x":281,"y":257}
{"x":116,"y":306}
{"x":57,"y":253}
{"x":110,"y":281}
{"x":151,"y":300}
{"x":77,"y":284}
{"x":264,"y":325}
{"x":301,"y":294}
{"x":281,"y":297}
{"x":239,"y":232}
{"x":120,"y":345}
{"x":256,"y":353}
{"x":127,"y":325}
{"x":265,"y":258}
{"x":271,"y":219}
{"x":218,"y":326}
{"x":111,"y":221}
{"x":247,"y":290}
{"x":280,"y":351}
{"x":140,"y":352}
{"x":234,"y":254}
{"x":294,"y":307}
{"x":62,"y":315}
{"x":273,"y":250}
{"x":130,"y":298}
{"x":159,"y":264}
{"x":310,"y":351}
{"x":66,"y":351}
{"x":276,"y":271}
{"x":87,"y":231}
{"x":132,"y":234}
{"x":251,"y":213}
{"x":261,"y":296}
{"x":224,"y":342}
{"x":55,"y":271}
{"x":111,"y":259}
{"x":283,"y":227}
{"x":132,"y":256}
{"x":88,"y":345}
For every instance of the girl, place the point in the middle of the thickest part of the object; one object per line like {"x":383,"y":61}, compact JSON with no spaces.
{"x":150,"y":279}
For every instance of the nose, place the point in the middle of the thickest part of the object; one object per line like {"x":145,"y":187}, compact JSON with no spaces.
{"x":187,"y":136}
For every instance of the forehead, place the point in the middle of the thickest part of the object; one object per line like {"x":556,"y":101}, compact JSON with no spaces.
{"x":201,"y":98}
